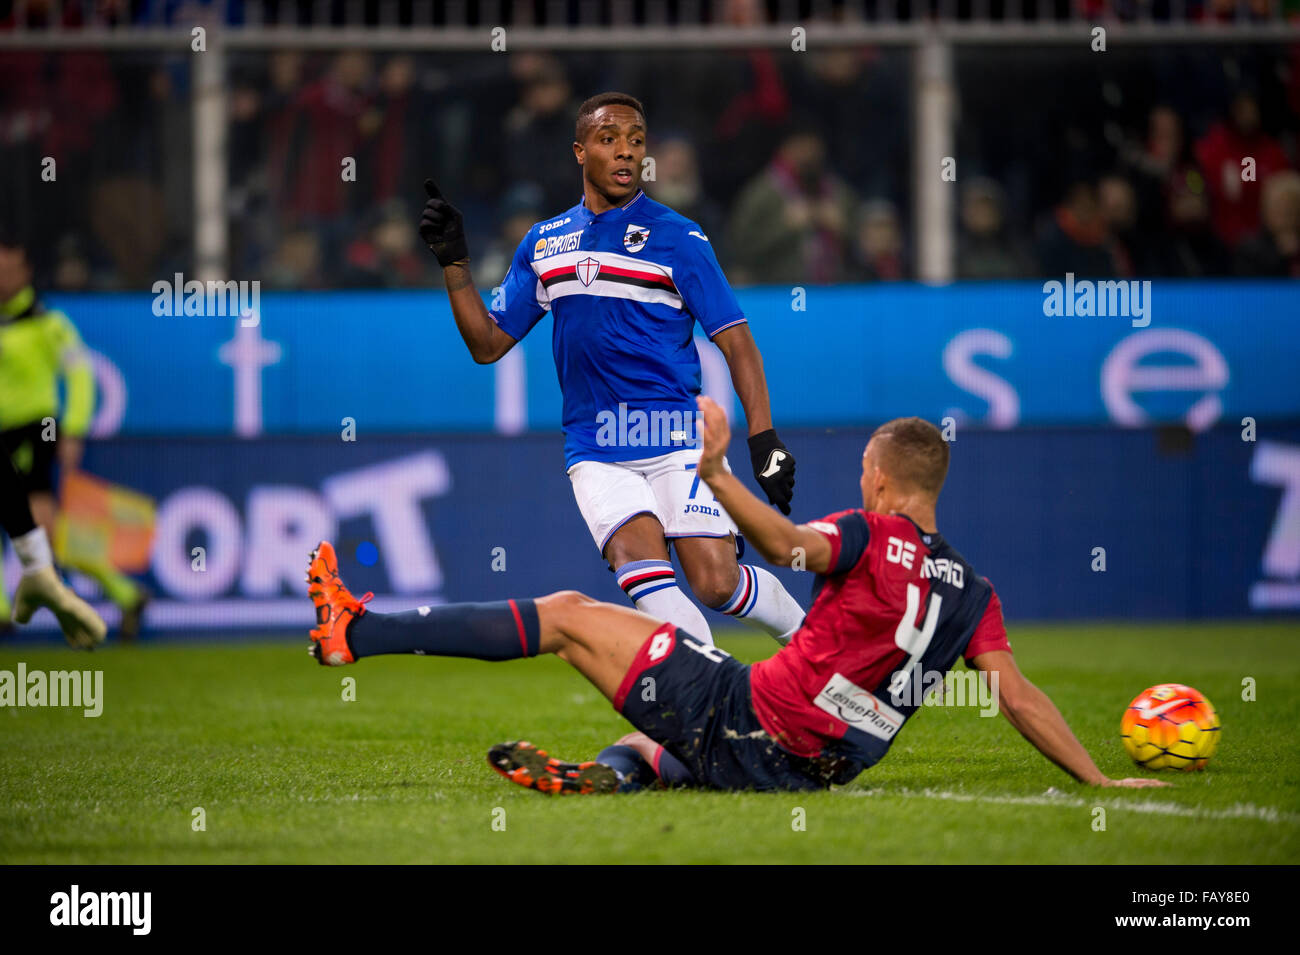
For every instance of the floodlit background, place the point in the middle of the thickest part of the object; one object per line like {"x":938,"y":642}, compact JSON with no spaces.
{"x":958,"y":156}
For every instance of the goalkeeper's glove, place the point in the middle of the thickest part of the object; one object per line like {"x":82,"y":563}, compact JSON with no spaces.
{"x":443,"y":228}
{"x":773,"y":468}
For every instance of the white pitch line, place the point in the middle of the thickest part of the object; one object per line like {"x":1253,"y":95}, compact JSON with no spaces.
{"x":1055,"y":798}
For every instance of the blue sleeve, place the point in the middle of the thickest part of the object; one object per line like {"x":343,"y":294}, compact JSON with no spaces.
{"x":523,"y":300}
{"x":848,"y":534}
{"x":855,"y":534}
{"x":704,"y":289}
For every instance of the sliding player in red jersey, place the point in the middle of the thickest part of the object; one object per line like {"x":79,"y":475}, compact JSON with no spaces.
{"x":892,"y":601}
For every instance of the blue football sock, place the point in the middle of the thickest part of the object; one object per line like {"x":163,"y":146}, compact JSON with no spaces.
{"x":633,"y":771}
{"x":672,"y":771}
{"x":636,"y":773}
{"x":501,"y":630}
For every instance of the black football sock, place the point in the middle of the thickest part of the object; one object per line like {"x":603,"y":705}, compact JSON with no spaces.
{"x":502,"y":630}
{"x":15,"y":515}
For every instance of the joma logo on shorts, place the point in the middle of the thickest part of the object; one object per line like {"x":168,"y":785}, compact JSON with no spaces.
{"x":702,"y":509}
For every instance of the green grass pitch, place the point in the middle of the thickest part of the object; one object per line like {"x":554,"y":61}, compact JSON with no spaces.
{"x":285,"y":770}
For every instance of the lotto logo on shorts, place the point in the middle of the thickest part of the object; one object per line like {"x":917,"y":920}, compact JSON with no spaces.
{"x":660,"y":646}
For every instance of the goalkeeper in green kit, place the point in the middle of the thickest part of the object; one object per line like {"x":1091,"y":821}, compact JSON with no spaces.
{"x":38,"y":347}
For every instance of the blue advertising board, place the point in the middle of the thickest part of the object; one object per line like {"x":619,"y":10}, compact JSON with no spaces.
{"x":994,"y":354}
{"x":1067,"y":523}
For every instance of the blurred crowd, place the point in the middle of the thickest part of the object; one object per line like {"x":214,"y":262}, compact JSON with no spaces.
{"x":798,"y":167}
{"x":78,"y":14}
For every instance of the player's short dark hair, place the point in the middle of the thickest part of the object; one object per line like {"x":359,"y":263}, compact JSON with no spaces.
{"x":587,"y":111}
{"x":913,"y":452}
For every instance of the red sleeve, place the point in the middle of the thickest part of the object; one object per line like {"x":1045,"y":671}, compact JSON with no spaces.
{"x":990,"y":633}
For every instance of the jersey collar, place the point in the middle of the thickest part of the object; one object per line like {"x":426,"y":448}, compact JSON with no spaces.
{"x":930,"y":539}
{"x":614,"y":213}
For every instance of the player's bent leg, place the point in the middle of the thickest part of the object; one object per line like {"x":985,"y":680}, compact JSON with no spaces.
{"x":641,"y":760}
{"x":638,"y":554}
{"x":602,"y":641}
{"x":748,"y":593}
{"x":710,"y":566}
{"x":641,"y":537}
{"x":597,"y":639}
{"x":634,"y":773}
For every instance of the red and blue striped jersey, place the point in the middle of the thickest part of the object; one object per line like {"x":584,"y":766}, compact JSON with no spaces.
{"x":895,"y":606}
{"x":625,"y":289}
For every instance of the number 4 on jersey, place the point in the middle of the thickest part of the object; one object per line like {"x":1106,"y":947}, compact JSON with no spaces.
{"x":912,"y":641}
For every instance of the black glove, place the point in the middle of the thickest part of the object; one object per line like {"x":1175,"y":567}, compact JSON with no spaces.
{"x":443,"y":228}
{"x":773,"y":468}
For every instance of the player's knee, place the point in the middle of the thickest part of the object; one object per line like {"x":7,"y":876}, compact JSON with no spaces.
{"x":570,"y":598}
{"x":564,"y":603}
{"x":715,"y":587}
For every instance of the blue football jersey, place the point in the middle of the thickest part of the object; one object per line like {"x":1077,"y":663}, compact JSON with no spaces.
{"x":625,"y":289}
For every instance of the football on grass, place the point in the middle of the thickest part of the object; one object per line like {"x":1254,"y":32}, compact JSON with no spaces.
{"x":1170,"y":726}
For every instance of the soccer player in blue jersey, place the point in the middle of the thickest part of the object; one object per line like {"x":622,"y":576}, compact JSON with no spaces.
{"x":625,"y":279}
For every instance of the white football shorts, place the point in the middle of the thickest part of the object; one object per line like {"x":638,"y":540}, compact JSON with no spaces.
{"x":611,"y":493}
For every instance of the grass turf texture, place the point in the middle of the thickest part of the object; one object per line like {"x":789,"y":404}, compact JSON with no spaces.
{"x":259,"y":736}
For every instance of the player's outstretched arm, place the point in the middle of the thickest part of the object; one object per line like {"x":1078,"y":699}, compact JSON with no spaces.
{"x":773,"y":463}
{"x":1036,"y":717}
{"x":777,"y":538}
{"x":442,"y":229}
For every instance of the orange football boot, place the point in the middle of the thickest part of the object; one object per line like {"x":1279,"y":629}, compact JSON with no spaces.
{"x":532,"y":768}
{"x":336,"y":608}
